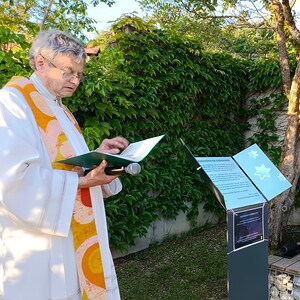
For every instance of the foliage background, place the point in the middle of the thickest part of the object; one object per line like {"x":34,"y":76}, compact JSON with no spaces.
{"x":148,"y":82}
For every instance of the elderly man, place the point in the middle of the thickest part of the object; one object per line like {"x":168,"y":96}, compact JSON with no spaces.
{"x":53,"y":234}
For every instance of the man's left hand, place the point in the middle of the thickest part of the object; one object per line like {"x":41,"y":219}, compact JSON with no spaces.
{"x":113,"y":145}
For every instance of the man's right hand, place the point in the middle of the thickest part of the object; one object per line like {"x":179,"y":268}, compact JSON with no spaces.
{"x":96,"y":177}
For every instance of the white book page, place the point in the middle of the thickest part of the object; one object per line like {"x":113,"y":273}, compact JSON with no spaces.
{"x":139,"y":150}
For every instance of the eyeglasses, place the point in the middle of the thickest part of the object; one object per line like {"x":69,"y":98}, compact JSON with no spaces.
{"x":68,"y":75}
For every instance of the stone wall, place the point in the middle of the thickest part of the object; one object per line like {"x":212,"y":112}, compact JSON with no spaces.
{"x":280,"y":116}
{"x":163,"y":228}
{"x":295,"y":217}
{"x":283,"y":286}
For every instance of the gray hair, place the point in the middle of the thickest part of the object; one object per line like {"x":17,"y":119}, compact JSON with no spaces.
{"x":52,"y":42}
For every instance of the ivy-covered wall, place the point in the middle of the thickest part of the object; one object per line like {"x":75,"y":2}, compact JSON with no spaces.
{"x":150,"y":82}
{"x":266,"y":106}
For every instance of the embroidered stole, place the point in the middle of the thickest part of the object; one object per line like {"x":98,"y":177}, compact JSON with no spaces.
{"x":87,"y":249}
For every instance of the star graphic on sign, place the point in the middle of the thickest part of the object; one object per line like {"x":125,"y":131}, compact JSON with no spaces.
{"x":252,"y":154}
{"x":262,"y":171}
{"x":281,"y":177}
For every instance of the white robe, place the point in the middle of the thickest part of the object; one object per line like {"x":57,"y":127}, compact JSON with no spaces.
{"x":37,"y":259}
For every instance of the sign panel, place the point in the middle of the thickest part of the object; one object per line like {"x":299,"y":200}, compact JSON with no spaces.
{"x":248,"y":227}
{"x":235,"y":187}
{"x":263,"y":173}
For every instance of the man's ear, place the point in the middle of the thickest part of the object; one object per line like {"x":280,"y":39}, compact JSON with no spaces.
{"x":39,"y":62}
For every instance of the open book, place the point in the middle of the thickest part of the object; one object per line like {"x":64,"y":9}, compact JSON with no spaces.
{"x":135,"y":152}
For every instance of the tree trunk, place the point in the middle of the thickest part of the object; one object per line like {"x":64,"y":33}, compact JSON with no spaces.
{"x":280,"y":208}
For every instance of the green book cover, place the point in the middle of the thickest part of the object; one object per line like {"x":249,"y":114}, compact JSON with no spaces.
{"x":135,"y":152}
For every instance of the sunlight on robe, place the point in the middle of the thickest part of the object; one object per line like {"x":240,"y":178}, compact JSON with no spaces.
{"x":59,"y":269}
{"x":22,"y":245}
{"x":17,"y":238}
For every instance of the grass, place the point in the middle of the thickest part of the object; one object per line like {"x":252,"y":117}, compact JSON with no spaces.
{"x":192,"y":266}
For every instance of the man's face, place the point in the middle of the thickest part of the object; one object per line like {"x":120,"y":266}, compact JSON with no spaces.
{"x":61,"y":75}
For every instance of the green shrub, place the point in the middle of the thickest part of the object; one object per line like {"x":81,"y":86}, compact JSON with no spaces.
{"x":150,"y":83}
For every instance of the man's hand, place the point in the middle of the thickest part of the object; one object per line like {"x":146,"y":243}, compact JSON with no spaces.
{"x":113,"y":145}
{"x":95,"y":177}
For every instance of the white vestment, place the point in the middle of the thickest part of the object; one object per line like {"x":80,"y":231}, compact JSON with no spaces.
{"x":37,"y":259}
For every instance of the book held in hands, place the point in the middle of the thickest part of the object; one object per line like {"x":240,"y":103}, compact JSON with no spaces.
{"x":135,"y":152}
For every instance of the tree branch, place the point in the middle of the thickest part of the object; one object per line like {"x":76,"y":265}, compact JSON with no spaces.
{"x":290,"y":21}
{"x":48,"y":9}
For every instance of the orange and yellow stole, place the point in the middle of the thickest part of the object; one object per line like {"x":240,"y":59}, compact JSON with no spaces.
{"x":88,"y":255}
